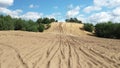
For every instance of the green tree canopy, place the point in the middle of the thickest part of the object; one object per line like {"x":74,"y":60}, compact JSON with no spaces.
{"x":73,"y":20}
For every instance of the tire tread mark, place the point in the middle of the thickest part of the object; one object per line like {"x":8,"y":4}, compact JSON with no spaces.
{"x":18,"y":55}
{"x":90,"y":56}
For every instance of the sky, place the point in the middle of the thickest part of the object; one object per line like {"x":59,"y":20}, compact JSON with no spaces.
{"x":88,"y":11}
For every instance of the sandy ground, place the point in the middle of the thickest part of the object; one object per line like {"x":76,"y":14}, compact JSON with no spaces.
{"x":61,"y":46}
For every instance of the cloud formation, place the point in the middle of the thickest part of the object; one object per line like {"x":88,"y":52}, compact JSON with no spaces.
{"x":73,"y":12}
{"x":54,"y":15}
{"x":99,"y":4}
{"x":12,"y":13}
{"x":31,"y":15}
{"x":18,"y":14}
{"x":92,"y":8}
{"x":101,"y":15}
{"x":107,"y":3}
{"x":6,"y":3}
{"x":113,"y":15}
{"x":116,"y":11}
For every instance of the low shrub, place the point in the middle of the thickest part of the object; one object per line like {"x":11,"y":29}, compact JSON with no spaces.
{"x":88,"y":27}
{"x":41,"y":27}
{"x":108,"y":30}
{"x":73,"y":20}
{"x":31,"y":26}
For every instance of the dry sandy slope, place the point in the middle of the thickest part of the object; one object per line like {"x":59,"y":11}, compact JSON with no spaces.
{"x":61,"y":46}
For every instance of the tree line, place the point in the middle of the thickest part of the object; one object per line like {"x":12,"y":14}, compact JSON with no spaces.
{"x":104,"y":29}
{"x":9,"y":23}
{"x":73,"y":20}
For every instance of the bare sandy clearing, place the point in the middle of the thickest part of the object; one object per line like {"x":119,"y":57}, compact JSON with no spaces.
{"x":64,"y":45}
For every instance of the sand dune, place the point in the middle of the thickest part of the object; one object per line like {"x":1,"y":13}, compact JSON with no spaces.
{"x":64,"y":45}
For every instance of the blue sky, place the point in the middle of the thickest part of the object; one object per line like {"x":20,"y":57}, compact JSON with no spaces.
{"x":48,"y":5}
{"x":93,"y":11}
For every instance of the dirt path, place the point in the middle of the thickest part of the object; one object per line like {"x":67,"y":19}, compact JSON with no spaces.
{"x":62,"y":46}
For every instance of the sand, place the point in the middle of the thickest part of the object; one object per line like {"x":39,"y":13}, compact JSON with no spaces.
{"x":64,"y":45}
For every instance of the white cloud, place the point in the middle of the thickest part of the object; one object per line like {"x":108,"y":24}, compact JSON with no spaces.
{"x":6,"y":3}
{"x":115,"y":3}
{"x":100,"y":17}
{"x":81,"y":18}
{"x":116,"y":19}
{"x":12,"y":13}
{"x":92,"y":8}
{"x":116,"y":11}
{"x":33,"y":6}
{"x":55,"y":16}
{"x":31,"y":15}
{"x":113,"y":15}
{"x":73,"y":12}
{"x":18,"y":14}
{"x":116,"y":14}
{"x":99,"y":4}
{"x":107,"y":3}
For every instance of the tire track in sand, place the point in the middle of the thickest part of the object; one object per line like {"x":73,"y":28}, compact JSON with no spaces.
{"x":17,"y":54}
